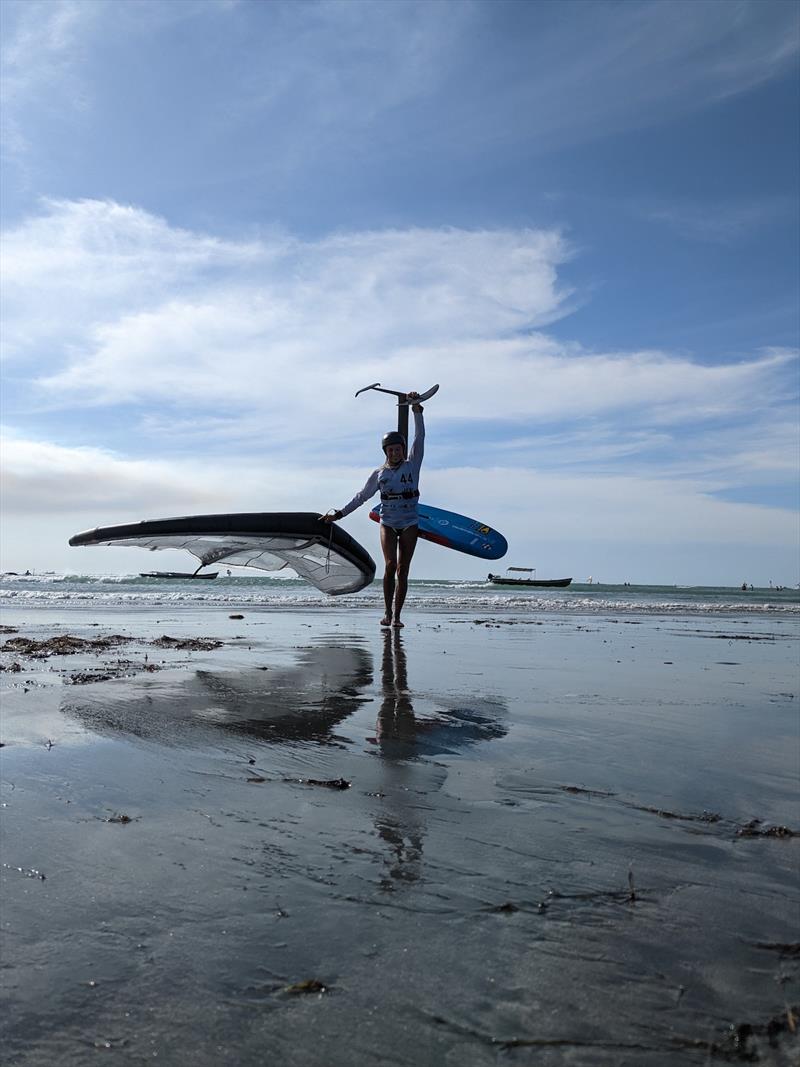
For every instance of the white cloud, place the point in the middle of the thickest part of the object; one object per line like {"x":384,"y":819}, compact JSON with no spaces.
{"x":79,"y":264}
{"x":39,"y":477}
{"x":106,"y":304}
{"x":530,"y":506}
{"x":46,"y":43}
{"x":566,"y":519}
{"x":123,"y":308}
{"x":342,"y":80}
{"x":246,"y":356}
{"x":39,"y":63}
{"x":42,"y":45}
{"x":611,"y":67}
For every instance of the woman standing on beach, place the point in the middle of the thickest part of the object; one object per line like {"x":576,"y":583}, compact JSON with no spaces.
{"x":398,"y":482}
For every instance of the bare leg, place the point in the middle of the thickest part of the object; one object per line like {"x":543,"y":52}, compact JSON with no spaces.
{"x":406,"y":543}
{"x":389,"y":541}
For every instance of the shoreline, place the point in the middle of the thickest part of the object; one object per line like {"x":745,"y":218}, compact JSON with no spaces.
{"x":16,"y":609}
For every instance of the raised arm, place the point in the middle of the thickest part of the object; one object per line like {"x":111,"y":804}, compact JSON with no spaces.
{"x":417,"y":450}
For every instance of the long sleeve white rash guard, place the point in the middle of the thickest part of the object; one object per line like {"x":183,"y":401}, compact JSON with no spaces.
{"x":397,"y":510}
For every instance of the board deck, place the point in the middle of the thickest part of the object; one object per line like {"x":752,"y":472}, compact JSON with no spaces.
{"x":458,"y":532}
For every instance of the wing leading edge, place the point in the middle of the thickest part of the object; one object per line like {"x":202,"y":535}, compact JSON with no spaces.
{"x":323,"y":554}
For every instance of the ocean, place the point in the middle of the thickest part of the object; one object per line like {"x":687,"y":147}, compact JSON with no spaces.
{"x":259,"y":591}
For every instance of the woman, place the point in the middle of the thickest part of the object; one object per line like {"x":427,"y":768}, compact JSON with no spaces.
{"x":398,"y":482}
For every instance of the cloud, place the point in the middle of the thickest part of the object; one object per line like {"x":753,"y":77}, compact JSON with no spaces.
{"x":39,"y":63}
{"x":571,"y":521}
{"x":548,"y":82}
{"x":47,"y":43}
{"x":39,"y":477}
{"x":531,"y":506}
{"x":42,"y":478}
{"x":81,"y":263}
{"x":348,"y":83}
{"x":214,"y":347}
{"x":40,"y":47}
{"x":107,"y":304}
{"x":764,"y":450}
{"x":227,"y":370}
{"x":724,"y":223}
{"x":309,"y":77}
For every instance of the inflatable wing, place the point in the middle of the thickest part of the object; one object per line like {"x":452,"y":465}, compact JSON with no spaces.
{"x":322,"y":553}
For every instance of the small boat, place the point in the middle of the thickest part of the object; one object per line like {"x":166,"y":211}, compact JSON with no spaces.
{"x":177,"y":574}
{"x":540,"y":583}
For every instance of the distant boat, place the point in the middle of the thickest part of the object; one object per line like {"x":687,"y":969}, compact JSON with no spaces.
{"x":541,"y":583}
{"x":177,"y":574}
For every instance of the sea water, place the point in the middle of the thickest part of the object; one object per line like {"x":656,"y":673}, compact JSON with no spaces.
{"x":431,"y":595}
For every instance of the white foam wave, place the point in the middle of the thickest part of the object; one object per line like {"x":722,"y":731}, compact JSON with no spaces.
{"x":430,"y":599}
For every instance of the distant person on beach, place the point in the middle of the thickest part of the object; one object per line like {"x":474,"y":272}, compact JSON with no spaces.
{"x":398,"y":482}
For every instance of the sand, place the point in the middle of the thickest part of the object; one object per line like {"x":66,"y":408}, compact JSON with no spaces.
{"x":481,"y":841}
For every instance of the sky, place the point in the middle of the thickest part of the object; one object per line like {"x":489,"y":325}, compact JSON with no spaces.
{"x":221,"y":218}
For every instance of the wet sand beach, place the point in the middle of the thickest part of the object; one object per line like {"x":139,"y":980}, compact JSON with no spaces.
{"x":290,"y":838}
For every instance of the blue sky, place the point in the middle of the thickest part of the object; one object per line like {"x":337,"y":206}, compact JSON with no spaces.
{"x":221,"y":218}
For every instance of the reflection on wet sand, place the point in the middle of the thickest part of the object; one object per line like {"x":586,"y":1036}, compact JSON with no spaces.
{"x":401,"y":828}
{"x":304,"y":702}
{"x":401,"y":736}
{"x":307,"y":702}
{"x":395,"y":730}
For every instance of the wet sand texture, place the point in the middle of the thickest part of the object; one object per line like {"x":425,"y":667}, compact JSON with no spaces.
{"x":476,"y":843}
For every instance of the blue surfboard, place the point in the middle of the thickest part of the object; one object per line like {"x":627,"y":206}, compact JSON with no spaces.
{"x":457,"y":532}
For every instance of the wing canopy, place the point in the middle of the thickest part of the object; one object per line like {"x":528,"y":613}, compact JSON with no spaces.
{"x":323,"y":554}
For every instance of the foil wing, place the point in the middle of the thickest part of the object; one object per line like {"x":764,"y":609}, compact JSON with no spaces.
{"x":322,"y":553}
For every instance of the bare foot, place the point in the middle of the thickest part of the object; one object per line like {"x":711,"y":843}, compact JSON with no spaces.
{"x":398,"y":625}
{"x":386,"y":620}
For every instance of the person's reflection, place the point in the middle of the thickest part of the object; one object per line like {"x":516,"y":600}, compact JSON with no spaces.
{"x":305,"y":701}
{"x":406,"y":744}
{"x":395,"y":729}
{"x":395,"y":732}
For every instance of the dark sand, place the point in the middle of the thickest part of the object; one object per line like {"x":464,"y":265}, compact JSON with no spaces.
{"x":563,"y":841}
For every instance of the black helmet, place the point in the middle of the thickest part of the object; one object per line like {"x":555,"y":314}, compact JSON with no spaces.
{"x":393,"y":437}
